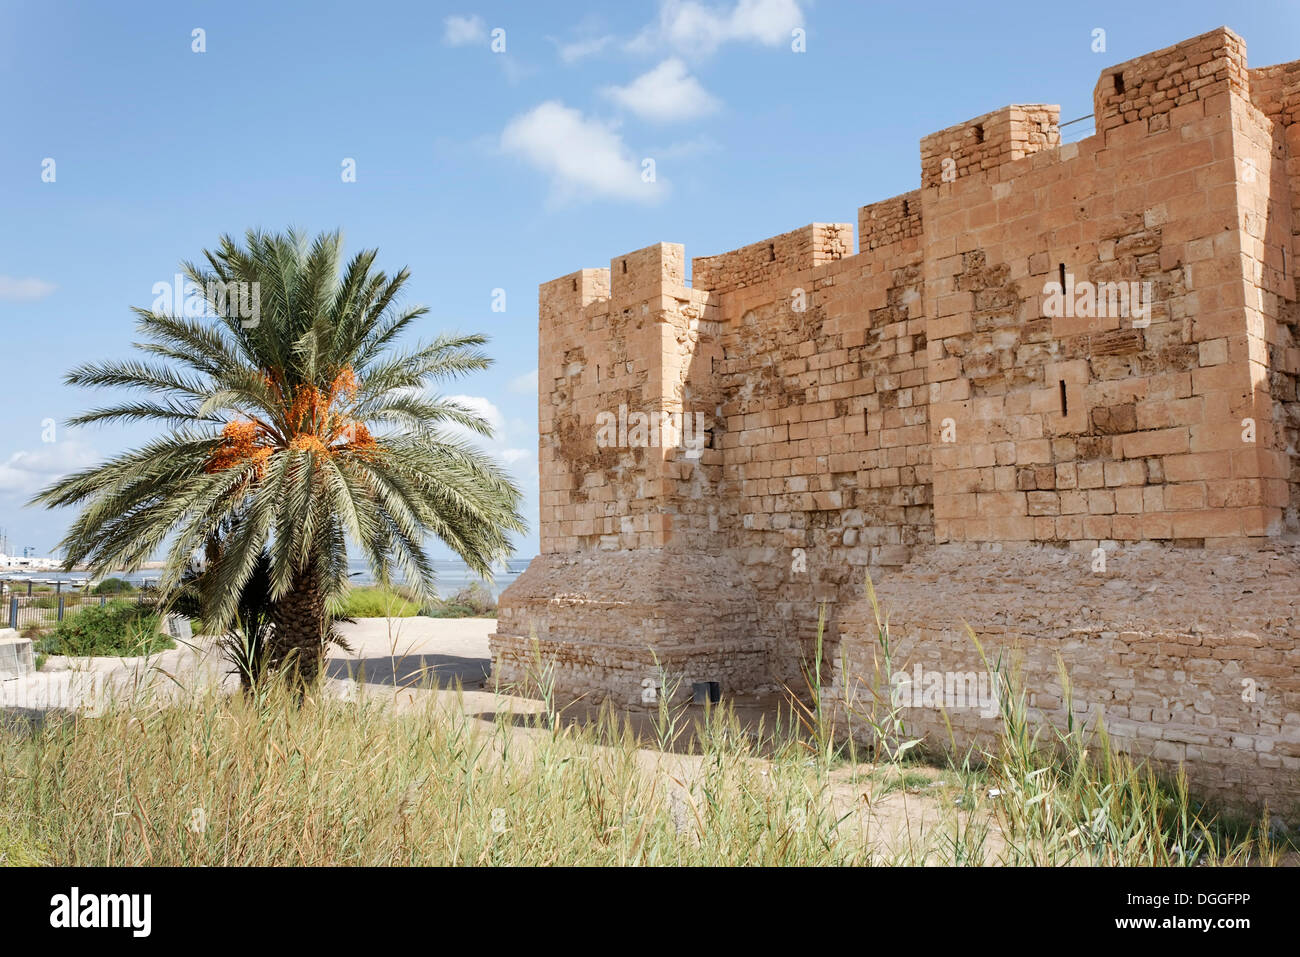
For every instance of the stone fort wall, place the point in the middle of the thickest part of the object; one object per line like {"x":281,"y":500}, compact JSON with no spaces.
{"x":1052,"y":378}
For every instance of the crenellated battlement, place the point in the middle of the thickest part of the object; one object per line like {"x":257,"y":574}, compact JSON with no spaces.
{"x":890,"y":221}
{"x":792,"y":252}
{"x":988,"y":141}
{"x":1147,"y":89}
{"x":648,"y":273}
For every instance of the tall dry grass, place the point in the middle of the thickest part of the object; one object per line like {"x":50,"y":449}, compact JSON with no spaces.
{"x":264,"y":779}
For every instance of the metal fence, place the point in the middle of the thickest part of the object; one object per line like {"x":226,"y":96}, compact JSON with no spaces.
{"x":22,"y":606}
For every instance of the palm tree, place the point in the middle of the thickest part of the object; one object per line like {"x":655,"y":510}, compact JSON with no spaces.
{"x":244,"y":646}
{"x":293,"y":431}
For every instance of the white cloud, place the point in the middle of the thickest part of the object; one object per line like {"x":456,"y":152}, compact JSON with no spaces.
{"x":525,"y":383}
{"x":583,"y":156}
{"x":666,"y":93}
{"x":498,"y":446}
{"x":24,"y":290}
{"x":697,"y":28}
{"x":461,"y":31}
{"x":481,"y":407}
{"x":25,"y":473}
{"x":577,"y":50}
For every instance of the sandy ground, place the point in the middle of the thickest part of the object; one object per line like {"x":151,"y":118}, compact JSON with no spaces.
{"x":407,"y":651}
{"x":383,"y":651}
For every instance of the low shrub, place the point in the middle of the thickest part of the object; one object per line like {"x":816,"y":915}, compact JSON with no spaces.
{"x":113,"y":586}
{"x":119,"y":628}
{"x":473,"y":601}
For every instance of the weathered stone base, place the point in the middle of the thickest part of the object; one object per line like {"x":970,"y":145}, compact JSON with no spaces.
{"x":596,"y":672}
{"x":612,"y":624}
{"x":1191,"y":655}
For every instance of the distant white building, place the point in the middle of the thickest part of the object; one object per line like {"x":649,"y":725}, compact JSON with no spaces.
{"x":28,"y":562}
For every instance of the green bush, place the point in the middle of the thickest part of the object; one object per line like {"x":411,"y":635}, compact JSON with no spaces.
{"x":473,"y":601}
{"x":113,"y":586}
{"x":118,"y":628}
{"x":376,"y":602}
{"x":448,"y":610}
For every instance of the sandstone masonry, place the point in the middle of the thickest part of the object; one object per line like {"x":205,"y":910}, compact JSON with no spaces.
{"x":1053,"y":396}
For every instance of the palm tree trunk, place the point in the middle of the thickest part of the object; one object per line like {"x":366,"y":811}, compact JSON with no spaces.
{"x":297,"y":639}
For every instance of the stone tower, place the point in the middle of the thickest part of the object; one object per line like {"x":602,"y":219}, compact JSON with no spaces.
{"x":1051,"y":396}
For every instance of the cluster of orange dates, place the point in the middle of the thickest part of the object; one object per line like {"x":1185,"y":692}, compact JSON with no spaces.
{"x":314,"y":425}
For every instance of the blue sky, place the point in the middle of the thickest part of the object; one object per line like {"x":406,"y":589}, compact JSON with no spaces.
{"x":479,"y":170}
